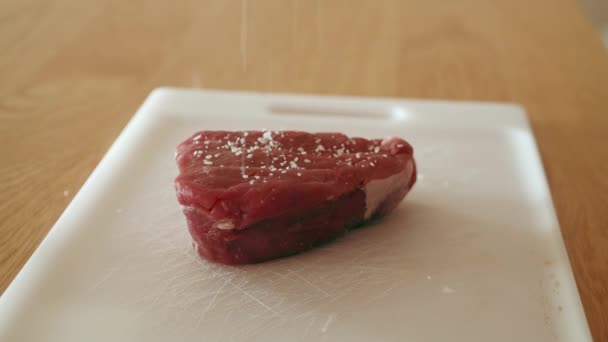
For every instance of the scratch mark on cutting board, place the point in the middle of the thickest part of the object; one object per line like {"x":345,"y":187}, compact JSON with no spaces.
{"x":248,"y":294}
{"x":328,"y":322}
{"x":252,"y":330}
{"x":385,"y":292}
{"x":378,"y":269}
{"x":103,"y":279}
{"x":279,"y":275}
{"x":311,"y":284}
{"x":296,"y":307}
{"x":223,"y":326}
{"x":170,"y":265}
{"x":243,"y":45}
{"x":212,"y":302}
{"x":312,"y":322}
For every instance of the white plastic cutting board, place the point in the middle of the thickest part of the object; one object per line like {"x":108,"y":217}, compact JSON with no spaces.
{"x":474,"y":253}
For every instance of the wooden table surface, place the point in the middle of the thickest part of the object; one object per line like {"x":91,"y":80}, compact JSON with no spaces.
{"x":73,"y":72}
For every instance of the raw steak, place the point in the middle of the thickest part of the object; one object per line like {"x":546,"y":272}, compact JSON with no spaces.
{"x":252,"y":196}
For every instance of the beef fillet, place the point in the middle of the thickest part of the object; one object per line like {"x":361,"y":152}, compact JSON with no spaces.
{"x":251,"y":196}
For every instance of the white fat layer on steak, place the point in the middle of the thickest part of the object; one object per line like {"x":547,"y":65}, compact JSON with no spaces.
{"x":225,"y":225}
{"x":377,"y":190}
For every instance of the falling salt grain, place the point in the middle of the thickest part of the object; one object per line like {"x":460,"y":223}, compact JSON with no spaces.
{"x":429,"y":277}
{"x":249,"y":156}
{"x":377,"y":149}
{"x":196,"y":137}
{"x":299,"y":174}
{"x":66,"y":193}
{"x":371,"y":164}
{"x":257,"y":177}
{"x":358,"y":155}
{"x":245,"y":176}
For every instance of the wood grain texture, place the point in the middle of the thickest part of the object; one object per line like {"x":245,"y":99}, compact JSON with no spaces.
{"x":73,"y":72}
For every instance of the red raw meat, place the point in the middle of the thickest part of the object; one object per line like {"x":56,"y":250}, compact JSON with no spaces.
{"x":252,"y":196}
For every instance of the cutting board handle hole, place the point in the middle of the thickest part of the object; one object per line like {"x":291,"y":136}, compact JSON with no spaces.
{"x":392,"y":114}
